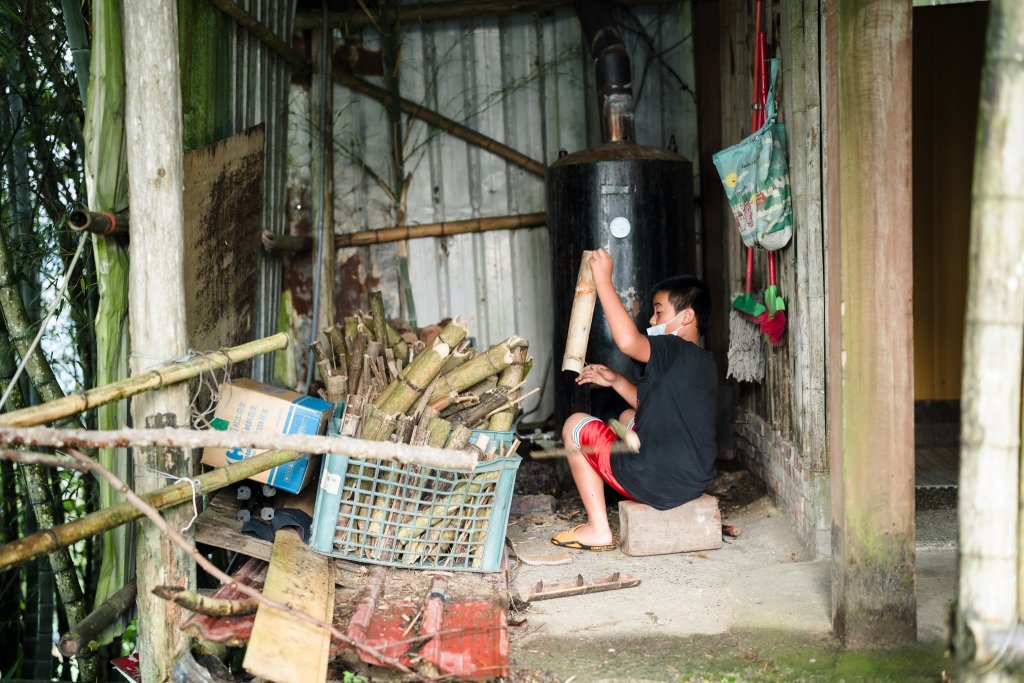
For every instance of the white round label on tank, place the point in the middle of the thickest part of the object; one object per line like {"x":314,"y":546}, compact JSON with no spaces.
{"x":620,"y":226}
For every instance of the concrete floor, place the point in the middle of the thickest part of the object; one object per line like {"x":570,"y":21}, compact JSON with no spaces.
{"x":756,"y":609}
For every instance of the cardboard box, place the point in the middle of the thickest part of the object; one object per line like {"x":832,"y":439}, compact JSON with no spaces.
{"x":250,"y":406}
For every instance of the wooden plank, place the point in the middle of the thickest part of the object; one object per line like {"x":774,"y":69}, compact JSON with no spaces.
{"x":223,"y":199}
{"x":283,"y":647}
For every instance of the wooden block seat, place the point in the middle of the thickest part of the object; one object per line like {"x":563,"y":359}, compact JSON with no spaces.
{"x":693,"y":526}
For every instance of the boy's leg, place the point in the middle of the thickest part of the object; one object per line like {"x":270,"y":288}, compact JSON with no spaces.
{"x":590,"y":485}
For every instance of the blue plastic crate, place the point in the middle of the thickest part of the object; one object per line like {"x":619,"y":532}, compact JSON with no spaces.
{"x":403,"y":515}
{"x":494,"y":438}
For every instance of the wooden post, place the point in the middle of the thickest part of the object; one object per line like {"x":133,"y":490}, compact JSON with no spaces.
{"x":991,"y":572}
{"x":873,"y":601}
{"x":156,"y":294}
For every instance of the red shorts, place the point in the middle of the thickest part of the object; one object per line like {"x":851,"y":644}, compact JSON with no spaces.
{"x":595,"y":439}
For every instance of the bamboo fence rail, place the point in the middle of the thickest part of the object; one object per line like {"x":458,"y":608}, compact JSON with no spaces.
{"x":441,"y":229}
{"x":162,"y":376}
{"x":30,"y":547}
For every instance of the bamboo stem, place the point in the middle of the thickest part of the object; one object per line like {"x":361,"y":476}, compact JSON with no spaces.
{"x":99,"y":222}
{"x":264,"y":34}
{"x":437,"y":120}
{"x":171,"y":373}
{"x":442,"y":229}
{"x":422,"y":12}
{"x":512,"y":378}
{"x":83,"y":633}
{"x":30,"y":547}
{"x":187,"y":438}
{"x":205,"y":604}
{"x":493,"y":361}
{"x":580,"y":319}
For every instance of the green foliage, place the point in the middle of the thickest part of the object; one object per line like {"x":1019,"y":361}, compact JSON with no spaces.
{"x":41,"y":179}
{"x":351,"y":677}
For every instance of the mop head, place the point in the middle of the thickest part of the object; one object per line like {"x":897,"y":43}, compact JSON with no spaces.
{"x":746,"y":349}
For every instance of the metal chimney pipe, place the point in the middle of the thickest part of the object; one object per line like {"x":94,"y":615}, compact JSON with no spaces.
{"x":614,"y":72}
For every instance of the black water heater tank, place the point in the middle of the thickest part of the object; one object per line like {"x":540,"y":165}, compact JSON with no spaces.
{"x":637,"y":202}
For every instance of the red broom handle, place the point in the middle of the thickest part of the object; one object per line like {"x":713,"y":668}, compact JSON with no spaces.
{"x":750,"y":269}
{"x":762,"y":61}
{"x":756,"y":115}
{"x":756,"y":101}
{"x":771,"y":268}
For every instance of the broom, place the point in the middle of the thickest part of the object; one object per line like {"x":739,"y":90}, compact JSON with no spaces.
{"x":773,"y":324}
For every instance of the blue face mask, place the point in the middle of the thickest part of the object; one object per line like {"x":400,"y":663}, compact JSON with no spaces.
{"x":659,"y":330}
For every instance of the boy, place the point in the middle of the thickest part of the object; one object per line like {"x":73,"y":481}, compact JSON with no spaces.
{"x":674,"y":411}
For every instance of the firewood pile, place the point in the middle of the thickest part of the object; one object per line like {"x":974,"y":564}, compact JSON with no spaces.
{"x":432,"y":388}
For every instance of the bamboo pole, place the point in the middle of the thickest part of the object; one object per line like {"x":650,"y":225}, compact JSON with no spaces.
{"x":441,"y":229}
{"x":402,"y":393}
{"x":264,"y":34}
{"x":493,"y":361}
{"x":99,"y":222}
{"x":990,"y":604}
{"x":302,"y":65}
{"x":444,"y":123}
{"x":582,"y":316}
{"x":30,"y":547}
{"x":422,"y":12}
{"x":511,"y":378}
{"x":171,"y":373}
{"x":83,"y":633}
{"x":188,"y":438}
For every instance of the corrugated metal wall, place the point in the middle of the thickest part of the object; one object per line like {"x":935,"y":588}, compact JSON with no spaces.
{"x":259,"y":94}
{"x":524,"y":80}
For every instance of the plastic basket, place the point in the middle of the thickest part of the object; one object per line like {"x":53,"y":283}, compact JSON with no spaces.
{"x":494,"y":439}
{"x":403,"y":515}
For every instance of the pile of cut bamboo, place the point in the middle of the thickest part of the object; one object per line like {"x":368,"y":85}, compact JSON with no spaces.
{"x":434,"y":389}
{"x":398,"y":387}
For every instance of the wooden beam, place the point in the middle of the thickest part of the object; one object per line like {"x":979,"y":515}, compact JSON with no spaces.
{"x":873,"y":479}
{"x":440,"y":11}
{"x":156,"y":306}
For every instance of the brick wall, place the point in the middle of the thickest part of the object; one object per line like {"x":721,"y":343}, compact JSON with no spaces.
{"x":803,"y":494}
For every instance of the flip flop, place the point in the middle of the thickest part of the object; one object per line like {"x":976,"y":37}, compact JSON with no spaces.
{"x":567,"y":539}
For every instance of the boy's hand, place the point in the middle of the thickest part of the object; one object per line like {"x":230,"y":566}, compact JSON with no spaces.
{"x":597,"y":374}
{"x":601,"y":266}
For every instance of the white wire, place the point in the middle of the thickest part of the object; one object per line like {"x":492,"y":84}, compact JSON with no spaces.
{"x":42,"y":325}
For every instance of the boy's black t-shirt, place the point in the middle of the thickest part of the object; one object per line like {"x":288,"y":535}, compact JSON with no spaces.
{"x":675,"y":420}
